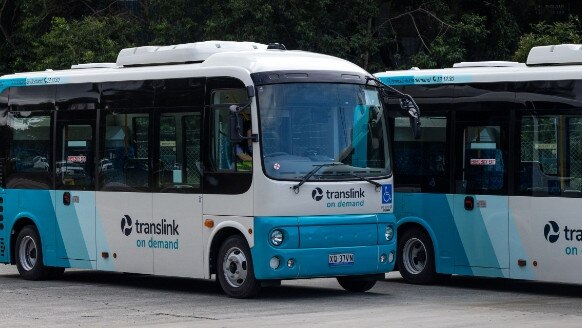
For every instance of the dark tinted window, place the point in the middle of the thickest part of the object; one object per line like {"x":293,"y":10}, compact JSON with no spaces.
{"x":420,"y":165}
{"x":32,"y":98}
{"x":225,"y":172}
{"x":128,"y":94}
{"x":26,"y":140}
{"x":75,"y":146}
{"x":5,"y":133}
{"x":179,"y":92}
{"x":77,"y":96}
{"x":125,"y":155}
{"x":180,"y":166}
{"x":550,"y":94}
{"x":550,"y":155}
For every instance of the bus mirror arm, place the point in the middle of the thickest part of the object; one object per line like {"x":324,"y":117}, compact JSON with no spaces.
{"x":407,"y":104}
{"x":235,"y":131}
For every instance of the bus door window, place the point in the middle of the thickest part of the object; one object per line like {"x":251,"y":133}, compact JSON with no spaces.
{"x":74,"y":164}
{"x":125,"y":153}
{"x":180,"y":166}
{"x":483,"y":167}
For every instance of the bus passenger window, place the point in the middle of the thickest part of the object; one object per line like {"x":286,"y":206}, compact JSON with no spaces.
{"x":28,"y":164}
{"x":124,"y":162}
{"x":419,"y":164}
{"x":551,"y":153}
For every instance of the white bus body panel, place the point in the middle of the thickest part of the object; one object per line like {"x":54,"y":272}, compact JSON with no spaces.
{"x":120,"y":240}
{"x":557,"y":258}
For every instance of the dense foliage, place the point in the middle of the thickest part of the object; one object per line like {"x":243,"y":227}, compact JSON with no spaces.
{"x":376,"y":34}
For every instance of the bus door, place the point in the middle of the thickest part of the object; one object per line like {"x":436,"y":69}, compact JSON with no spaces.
{"x":480,"y":200}
{"x":177,"y":204}
{"x":75,"y":194}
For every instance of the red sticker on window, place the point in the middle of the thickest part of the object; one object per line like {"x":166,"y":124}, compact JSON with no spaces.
{"x":77,"y":159}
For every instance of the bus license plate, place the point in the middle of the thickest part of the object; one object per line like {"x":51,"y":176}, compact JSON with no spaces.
{"x":341,"y":259}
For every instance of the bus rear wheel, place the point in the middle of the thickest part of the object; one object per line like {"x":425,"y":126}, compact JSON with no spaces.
{"x":28,"y":255}
{"x":416,"y":257}
{"x":235,"y":272}
{"x":356,"y":284}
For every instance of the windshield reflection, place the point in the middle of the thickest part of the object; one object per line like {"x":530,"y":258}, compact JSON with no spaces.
{"x":304,"y":125}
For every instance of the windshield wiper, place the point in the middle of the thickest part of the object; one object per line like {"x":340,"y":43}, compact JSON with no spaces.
{"x":312,"y":172}
{"x":376,"y":184}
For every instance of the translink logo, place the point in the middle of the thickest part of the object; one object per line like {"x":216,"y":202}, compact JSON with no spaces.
{"x":317,"y":194}
{"x":552,"y":231}
{"x":162,"y":227}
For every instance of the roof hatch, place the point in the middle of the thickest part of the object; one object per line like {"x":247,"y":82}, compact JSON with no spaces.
{"x":181,"y":53}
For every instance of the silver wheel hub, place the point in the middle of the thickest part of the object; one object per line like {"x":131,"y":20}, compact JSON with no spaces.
{"x":235,"y":267}
{"x":414,"y":256}
{"x":27,"y":253}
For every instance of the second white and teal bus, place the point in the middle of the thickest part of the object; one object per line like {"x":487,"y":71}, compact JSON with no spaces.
{"x":211,"y":159}
{"x":493,"y":188}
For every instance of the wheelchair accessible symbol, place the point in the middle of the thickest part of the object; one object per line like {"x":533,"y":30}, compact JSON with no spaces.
{"x":386,"y":194}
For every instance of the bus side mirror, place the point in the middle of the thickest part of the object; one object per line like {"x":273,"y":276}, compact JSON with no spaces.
{"x":408,"y":105}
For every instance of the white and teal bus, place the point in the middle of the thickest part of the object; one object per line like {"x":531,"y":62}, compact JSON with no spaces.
{"x":493,"y":187}
{"x":234,"y":160}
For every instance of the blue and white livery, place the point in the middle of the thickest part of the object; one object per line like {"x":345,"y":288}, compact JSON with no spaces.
{"x":494,"y":186}
{"x":234,"y":160}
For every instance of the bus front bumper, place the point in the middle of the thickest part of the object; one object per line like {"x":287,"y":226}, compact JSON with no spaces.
{"x":324,"y":246}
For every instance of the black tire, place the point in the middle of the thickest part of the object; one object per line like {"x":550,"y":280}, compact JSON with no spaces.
{"x":234,"y":269}
{"x":356,"y":284}
{"x":28,"y":254}
{"x":416,"y":257}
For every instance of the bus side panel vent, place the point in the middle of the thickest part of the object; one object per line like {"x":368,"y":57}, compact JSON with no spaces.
{"x":2,"y":247}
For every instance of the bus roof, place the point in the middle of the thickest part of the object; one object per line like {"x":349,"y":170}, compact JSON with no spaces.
{"x":193,"y":59}
{"x":557,"y":62}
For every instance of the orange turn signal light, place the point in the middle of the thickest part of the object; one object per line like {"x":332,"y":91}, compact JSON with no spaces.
{"x":209,"y":223}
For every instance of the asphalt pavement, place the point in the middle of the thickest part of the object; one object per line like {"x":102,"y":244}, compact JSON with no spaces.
{"x":98,"y":299}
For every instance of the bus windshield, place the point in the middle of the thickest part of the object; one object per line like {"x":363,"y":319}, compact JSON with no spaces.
{"x":338,"y":127}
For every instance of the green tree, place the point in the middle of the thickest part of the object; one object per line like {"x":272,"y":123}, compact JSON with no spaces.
{"x":92,"y":39}
{"x":343,"y":29}
{"x":544,"y":34}
{"x":453,"y":45}
{"x":241,"y":20}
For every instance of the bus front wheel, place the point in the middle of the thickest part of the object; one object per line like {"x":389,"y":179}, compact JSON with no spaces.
{"x":28,"y":254}
{"x":416,"y":257}
{"x":357,"y":284}
{"x":235,"y":269}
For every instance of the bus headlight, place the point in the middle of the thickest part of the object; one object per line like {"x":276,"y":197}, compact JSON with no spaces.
{"x":389,"y":233}
{"x":276,"y":237}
